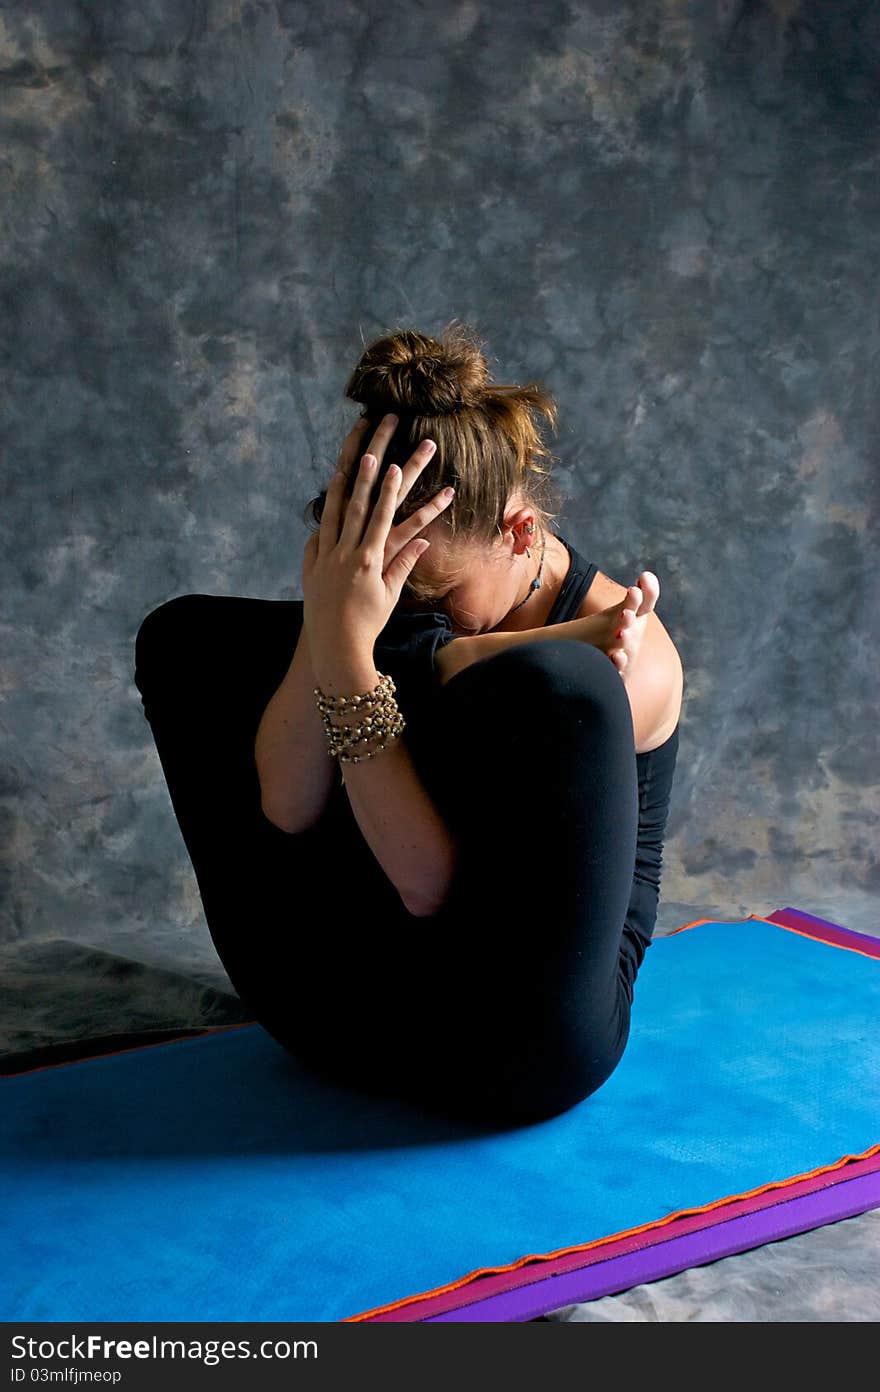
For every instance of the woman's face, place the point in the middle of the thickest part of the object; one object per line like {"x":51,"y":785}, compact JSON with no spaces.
{"x":476,"y":588}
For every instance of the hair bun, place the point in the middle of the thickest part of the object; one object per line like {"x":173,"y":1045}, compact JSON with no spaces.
{"x":408,"y":372}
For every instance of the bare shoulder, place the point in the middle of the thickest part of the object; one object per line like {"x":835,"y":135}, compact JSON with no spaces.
{"x":603,"y":592}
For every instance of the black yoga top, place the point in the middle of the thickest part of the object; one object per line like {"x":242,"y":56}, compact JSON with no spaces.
{"x":406,"y":648}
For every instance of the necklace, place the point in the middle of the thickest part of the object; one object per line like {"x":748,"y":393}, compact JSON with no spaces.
{"x":536,"y":583}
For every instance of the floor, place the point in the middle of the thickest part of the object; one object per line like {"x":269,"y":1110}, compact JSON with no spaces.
{"x":57,"y":990}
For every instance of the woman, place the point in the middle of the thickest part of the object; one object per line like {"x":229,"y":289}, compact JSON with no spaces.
{"x":452,"y":905}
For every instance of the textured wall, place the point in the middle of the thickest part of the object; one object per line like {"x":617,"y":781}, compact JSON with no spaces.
{"x":665,"y":212}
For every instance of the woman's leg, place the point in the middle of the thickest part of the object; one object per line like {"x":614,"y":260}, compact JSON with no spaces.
{"x":656,"y":773}
{"x":507,"y":1004}
{"x":536,"y":774}
{"x":312,"y":934}
{"x":206,"y":667}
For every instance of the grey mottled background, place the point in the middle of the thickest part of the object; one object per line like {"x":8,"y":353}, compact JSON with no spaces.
{"x":667,"y":213}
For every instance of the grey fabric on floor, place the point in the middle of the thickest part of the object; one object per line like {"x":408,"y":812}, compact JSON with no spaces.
{"x":53,"y":991}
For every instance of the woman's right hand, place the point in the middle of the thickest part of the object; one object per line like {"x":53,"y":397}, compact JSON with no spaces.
{"x":355,"y":446}
{"x":619,"y":629}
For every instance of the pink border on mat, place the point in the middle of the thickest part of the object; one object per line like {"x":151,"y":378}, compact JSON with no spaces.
{"x":800,"y":922}
{"x":492,"y":1285}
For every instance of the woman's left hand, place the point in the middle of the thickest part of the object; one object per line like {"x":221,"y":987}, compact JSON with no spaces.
{"x":355,"y":565}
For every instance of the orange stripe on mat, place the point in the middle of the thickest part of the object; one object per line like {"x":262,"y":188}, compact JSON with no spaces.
{"x":786,"y":928}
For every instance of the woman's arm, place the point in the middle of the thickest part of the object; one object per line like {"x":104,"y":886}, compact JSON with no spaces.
{"x":393,"y":809}
{"x":295,"y":771}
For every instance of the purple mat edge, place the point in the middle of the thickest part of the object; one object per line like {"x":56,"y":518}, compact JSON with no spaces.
{"x":667,"y":1259}
{"x":780,"y":916}
{"x":830,"y":1205}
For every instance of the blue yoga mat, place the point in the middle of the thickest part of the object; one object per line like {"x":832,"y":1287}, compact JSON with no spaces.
{"x":216,"y":1179}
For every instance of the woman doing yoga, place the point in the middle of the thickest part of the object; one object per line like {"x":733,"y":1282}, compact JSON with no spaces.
{"x":444,"y":890}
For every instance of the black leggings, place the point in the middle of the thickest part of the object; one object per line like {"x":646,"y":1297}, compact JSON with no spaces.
{"x":510,"y":1004}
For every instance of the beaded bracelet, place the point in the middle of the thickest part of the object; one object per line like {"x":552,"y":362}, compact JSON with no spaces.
{"x":384,"y":721}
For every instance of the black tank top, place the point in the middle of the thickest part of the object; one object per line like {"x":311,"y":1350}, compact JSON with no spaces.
{"x":578,"y":579}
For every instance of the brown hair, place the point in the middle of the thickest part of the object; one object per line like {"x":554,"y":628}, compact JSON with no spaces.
{"x":487,"y":436}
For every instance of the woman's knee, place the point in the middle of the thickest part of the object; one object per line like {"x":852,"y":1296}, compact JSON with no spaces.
{"x":167,"y":628}
{"x":201,"y":632}
{"x":565,"y":672}
{"x":518,"y":1101}
{"x":532,"y":1077}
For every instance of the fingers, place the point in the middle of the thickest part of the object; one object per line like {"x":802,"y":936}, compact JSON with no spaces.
{"x":395,"y":486}
{"x":645,"y":593}
{"x":383,"y":433}
{"x":640,"y":599}
{"x":380,"y":523}
{"x":356,"y":445}
{"x":414,"y":466}
{"x":328,"y":532}
{"x":633,"y":601}
{"x":365,"y":477}
{"x":352,"y":445}
{"x":411,"y":526}
{"x":411,"y":470}
{"x":359,"y":502}
{"x":638,"y":602}
{"x":401,"y":566}
{"x":360,"y":523}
